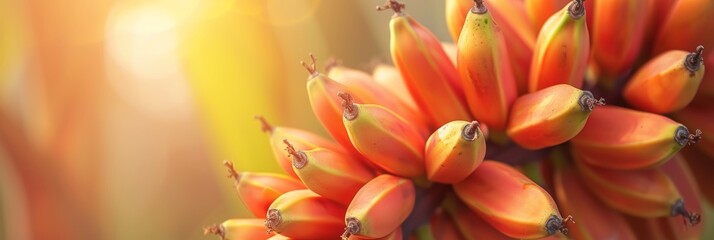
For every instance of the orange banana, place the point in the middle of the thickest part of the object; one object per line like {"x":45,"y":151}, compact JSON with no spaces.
{"x":379,"y":207}
{"x":666,"y":83}
{"x":617,"y":34}
{"x":550,"y":116}
{"x":395,"y":235}
{"x":687,"y":25}
{"x":384,"y":138}
{"x":430,"y":77}
{"x":659,"y":11}
{"x":362,"y":84}
{"x":456,"y":11}
{"x":646,"y":193}
{"x":331,"y":174}
{"x":389,"y":78}
{"x":701,"y":166}
{"x":595,"y":219}
{"x":239,"y":229}
{"x":454,"y":151}
{"x":303,"y":214}
{"x":495,"y":191}
{"x":539,"y":11}
{"x":683,"y":178}
{"x":322,"y":92}
{"x":486,"y":74}
{"x":620,"y":138}
{"x":469,"y":224}
{"x":259,"y":190}
{"x":562,"y":49}
{"x":512,"y":19}
{"x":301,"y":139}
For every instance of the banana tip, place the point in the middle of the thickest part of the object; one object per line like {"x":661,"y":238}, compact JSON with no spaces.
{"x":557,"y":224}
{"x":272,"y":220}
{"x":352,"y":227}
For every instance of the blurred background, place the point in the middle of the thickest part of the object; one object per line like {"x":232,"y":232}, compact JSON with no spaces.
{"x":115,"y":116}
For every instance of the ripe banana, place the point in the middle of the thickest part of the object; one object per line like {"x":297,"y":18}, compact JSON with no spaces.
{"x":686,"y":25}
{"x":617,"y":35}
{"x":495,"y":190}
{"x":683,"y":178}
{"x":486,"y":74}
{"x":303,"y":214}
{"x":646,"y":193}
{"x":389,"y":78}
{"x":322,"y":92}
{"x":379,"y":207}
{"x":259,"y":190}
{"x":620,"y":138}
{"x":550,"y":116}
{"x":562,"y":49}
{"x":469,"y":224}
{"x":454,"y":151}
{"x":456,"y":11}
{"x":512,"y":19}
{"x":430,"y":77}
{"x":362,"y":84}
{"x":701,"y":166}
{"x":239,"y":229}
{"x":667,"y":83}
{"x":395,"y":235}
{"x":331,"y":174}
{"x":540,"y":11}
{"x":301,"y":139}
{"x":384,"y":138}
{"x":595,"y":219}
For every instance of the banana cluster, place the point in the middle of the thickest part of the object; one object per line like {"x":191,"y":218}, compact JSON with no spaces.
{"x":505,"y":134}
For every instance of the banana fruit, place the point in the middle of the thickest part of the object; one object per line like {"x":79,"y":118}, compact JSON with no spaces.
{"x":301,"y":139}
{"x":562,"y":49}
{"x":239,"y":229}
{"x":384,"y":138}
{"x":666,"y":83}
{"x":430,"y":77}
{"x":259,"y":190}
{"x":550,"y":116}
{"x":362,"y":84}
{"x":331,"y":174}
{"x":454,"y":151}
{"x":495,"y":190}
{"x":617,"y":34}
{"x":486,"y":74}
{"x":595,"y":219}
{"x":322,"y":92}
{"x":303,"y":214}
{"x":647,"y":193}
{"x":379,"y":207}
{"x":620,"y":138}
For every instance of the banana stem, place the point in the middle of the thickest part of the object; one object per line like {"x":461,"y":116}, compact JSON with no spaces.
{"x":312,"y":68}
{"x":215,"y":229}
{"x":232,"y":173}
{"x":424,"y":232}
{"x":264,"y":124}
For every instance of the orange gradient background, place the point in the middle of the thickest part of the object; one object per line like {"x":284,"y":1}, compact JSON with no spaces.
{"x":115,"y":116}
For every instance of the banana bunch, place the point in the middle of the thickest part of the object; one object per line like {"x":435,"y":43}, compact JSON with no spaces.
{"x":543,"y":120}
